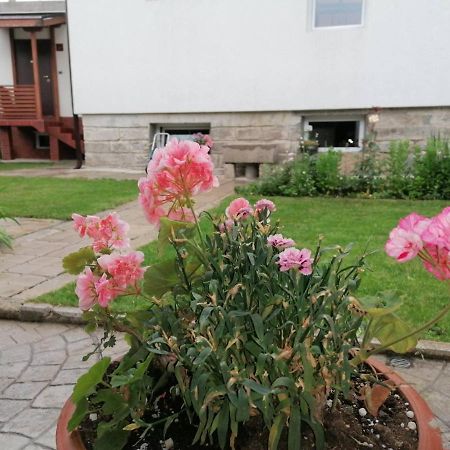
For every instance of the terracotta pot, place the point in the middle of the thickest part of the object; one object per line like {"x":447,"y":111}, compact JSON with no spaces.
{"x":429,"y":437}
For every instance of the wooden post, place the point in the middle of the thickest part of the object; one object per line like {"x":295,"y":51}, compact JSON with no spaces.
{"x":54,"y":69}
{"x":36,"y":76}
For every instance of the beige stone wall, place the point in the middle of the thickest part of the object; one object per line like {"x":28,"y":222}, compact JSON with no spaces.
{"x":123,"y":141}
{"x":413,"y":124}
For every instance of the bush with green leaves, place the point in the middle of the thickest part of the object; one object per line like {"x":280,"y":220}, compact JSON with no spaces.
{"x":407,"y":172}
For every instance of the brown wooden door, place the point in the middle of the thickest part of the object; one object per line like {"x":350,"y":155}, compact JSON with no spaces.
{"x":24,"y":69}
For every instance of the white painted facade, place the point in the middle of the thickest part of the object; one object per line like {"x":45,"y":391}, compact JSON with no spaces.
{"x":171,"y":56}
{"x":6,"y":70}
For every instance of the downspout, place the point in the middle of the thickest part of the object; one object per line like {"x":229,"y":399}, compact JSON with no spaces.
{"x":76,"y":123}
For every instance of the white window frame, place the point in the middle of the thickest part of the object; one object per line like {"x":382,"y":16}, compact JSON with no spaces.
{"x":361,"y":130}
{"x":338,"y":27}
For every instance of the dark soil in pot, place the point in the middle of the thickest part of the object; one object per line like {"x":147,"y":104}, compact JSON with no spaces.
{"x":345,"y":429}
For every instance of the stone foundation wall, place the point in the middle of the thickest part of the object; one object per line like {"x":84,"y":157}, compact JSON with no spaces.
{"x":413,"y":124}
{"x":123,"y":141}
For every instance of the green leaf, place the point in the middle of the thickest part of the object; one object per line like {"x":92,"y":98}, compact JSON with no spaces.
{"x":74,"y":263}
{"x":384,"y":303}
{"x":87,"y":382}
{"x":259,"y":388}
{"x":79,"y":414}
{"x":111,"y":440}
{"x":275,"y":431}
{"x":388,"y":328}
{"x":295,"y":430}
{"x":222,"y":429}
{"x":112,"y":401}
{"x":160,"y":278}
{"x":170,"y":229}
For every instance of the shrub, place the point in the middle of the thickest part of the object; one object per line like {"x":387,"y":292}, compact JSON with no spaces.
{"x":327,"y":177}
{"x":398,"y":179}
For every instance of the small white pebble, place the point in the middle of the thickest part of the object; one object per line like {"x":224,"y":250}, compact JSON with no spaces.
{"x":329,"y":403}
{"x":377,"y":436}
{"x":396,"y":396}
{"x":362,"y":412}
{"x":406,"y":404}
{"x":347,"y":426}
{"x":410,"y":414}
{"x":93,"y":417}
{"x":412,"y":425}
{"x":402,"y":425}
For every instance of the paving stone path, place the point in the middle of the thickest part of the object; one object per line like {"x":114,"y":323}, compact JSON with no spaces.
{"x":40,"y":362}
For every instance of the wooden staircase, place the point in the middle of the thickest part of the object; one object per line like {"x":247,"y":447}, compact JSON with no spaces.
{"x":60,"y":131}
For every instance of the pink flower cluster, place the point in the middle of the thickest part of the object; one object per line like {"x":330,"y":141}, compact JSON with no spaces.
{"x":113,"y":274}
{"x":107,"y":233}
{"x":427,"y":238}
{"x":293,"y":258}
{"x":118,"y":273}
{"x":176,"y":172}
{"x":279,"y":241}
{"x":203,"y":139}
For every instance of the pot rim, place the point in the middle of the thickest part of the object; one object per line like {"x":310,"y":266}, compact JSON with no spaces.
{"x":429,"y":435}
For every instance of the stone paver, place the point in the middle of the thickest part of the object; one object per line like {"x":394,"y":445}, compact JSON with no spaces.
{"x":34,"y":266}
{"x":35,"y":383}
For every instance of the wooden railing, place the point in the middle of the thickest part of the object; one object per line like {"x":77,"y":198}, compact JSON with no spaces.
{"x":18,"y":102}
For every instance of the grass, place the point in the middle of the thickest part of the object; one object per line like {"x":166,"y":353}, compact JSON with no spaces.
{"x":366,"y":224}
{"x":57,"y":198}
{"x":23,"y":165}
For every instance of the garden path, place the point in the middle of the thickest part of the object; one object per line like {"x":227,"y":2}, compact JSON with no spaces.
{"x":40,"y":362}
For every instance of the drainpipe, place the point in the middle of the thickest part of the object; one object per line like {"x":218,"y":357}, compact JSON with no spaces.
{"x":76,"y":123}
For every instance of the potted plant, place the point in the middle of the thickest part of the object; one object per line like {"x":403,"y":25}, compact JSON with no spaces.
{"x":249,"y":341}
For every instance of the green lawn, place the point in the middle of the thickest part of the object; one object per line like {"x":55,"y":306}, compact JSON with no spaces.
{"x":23,"y":165}
{"x":366,"y":223}
{"x":57,"y":198}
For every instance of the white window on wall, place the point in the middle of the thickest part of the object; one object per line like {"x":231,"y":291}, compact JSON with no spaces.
{"x":184,"y":132}
{"x":337,"y":13}
{"x":344,"y":134}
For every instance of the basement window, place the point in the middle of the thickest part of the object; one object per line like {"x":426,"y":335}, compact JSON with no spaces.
{"x":184,"y":132}
{"x":344,"y":135}
{"x":42,"y":141}
{"x":337,"y":13}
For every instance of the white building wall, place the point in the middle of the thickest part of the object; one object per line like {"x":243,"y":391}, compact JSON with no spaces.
{"x":6,"y":71}
{"x":63,"y":65}
{"x":161,"y":56}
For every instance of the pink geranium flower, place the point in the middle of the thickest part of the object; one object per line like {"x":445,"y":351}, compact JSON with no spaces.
{"x":440,"y":265}
{"x":125,"y":270}
{"x":292,"y":258}
{"x":438,"y":230}
{"x":174,"y":175}
{"x":405,"y":241}
{"x":239,"y":209}
{"x":85,"y":289}
{"x":403,"y":245}
{"x":279,"y":241}
{"x":106,"y":290}
{"x":263,"y":204}
{"x":109,"y":232}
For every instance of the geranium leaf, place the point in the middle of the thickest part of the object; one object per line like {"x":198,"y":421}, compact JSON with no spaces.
{"x":375,"y":396}
{"x":74,"y":263}
{"x":87,"y":382}
{"x":160,"y":278}
{"x":172,"y":229}
{"x":80,"y":413}
{"x":388,"y":328}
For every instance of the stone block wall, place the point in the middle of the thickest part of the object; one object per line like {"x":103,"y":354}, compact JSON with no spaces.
{"x":413,"y":124}
{"x":123,"y":141}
